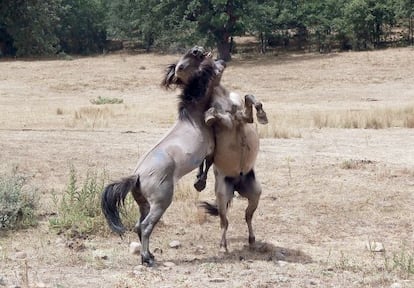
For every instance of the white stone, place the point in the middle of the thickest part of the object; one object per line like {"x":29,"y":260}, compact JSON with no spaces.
{"x":169,"y":264}
{"x":134,"y":248}
{"x":375,"y":246}
{"x":20,"y":255}
{"x":100,"y":254}
{"x":396,"y":285}
{"x":175,"y":244}
{"x":41,"y":285}
{"x":282,"y":263}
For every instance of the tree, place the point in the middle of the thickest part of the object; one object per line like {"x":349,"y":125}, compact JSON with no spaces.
{"x":219,"y":20}
{"x":82,"y":27}
{"x":263,"y":20}
{"x":405,"y":11}
{"x":31,"y":25}
{"x":366,"y":20}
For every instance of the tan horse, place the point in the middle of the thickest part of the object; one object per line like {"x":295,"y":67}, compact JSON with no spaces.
{"x":236,"y":149}
{"x":180,"y":151}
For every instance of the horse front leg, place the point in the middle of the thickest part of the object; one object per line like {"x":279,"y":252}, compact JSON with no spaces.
{"x":200,"y":183}
{"x":261,"y":116}
{"x":215,"y":115}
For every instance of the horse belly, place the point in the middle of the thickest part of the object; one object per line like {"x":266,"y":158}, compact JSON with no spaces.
{"x":234,"y":156}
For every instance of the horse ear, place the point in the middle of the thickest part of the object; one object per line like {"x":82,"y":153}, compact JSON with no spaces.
{"x":169,"y":78}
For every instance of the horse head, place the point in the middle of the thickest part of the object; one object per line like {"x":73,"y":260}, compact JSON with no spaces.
{"x":180,"y":73}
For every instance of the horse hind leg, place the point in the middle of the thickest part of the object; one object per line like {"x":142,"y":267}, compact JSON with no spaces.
{"x":260,"y":113}
{"x":161,"y":201}
{"x":144,"y":209}
{"x":250,"y":189}
{"x":224,"y":195}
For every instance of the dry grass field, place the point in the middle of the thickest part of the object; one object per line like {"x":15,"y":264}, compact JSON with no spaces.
{"x":336,"y":166}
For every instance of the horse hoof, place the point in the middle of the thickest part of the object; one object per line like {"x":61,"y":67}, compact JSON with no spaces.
{"x":200,"y":184}
{"x":223,"y":250}
{"x":252,"y":240}
{"x":262,"y":117}
{"x":148,"y":262}
{"x":210,"y":119}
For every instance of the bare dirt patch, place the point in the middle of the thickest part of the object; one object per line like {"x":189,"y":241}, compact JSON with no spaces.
{"x":316,"y":214}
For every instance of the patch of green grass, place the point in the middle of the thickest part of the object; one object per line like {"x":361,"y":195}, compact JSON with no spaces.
{"x":106,"y":100}
{"x":403,"y":262}
{"x":17,"y":202}
{"x":79,"y":209}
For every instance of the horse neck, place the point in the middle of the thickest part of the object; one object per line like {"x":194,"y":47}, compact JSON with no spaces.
{"x":194,"y":112}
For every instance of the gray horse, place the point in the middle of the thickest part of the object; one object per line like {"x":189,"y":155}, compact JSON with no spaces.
{"x":180,"y":151}
{"x":237,"y":144}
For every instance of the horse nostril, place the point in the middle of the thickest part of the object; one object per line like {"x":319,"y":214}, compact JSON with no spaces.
{"x":180,"y":67}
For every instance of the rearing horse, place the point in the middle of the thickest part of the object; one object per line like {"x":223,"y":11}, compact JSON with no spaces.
{"x":236,"y":148}
{"x":180,"y":151}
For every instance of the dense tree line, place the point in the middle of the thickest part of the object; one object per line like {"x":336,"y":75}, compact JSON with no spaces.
{"x":34,"y":27}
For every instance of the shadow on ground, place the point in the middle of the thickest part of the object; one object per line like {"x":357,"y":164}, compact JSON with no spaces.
{"x":261,"y":251}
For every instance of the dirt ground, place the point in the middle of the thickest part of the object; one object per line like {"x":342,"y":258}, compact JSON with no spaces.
{"x":316,"y":214}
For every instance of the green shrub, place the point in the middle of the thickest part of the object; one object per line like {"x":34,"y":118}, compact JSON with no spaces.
{"x":106,"y":100}
{"x":79,"y":209}
{"x":403,"y":261}
{"x":17,"y":202}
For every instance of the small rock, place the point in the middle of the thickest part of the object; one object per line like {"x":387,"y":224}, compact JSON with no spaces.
{"x":158,"y":250}
{"x":138,"y":269}
{"x":60,"y":242}
{"x":217,"y":280}
{"x":396,"y":285}
{"x":99,"y":254}
{"x":375,"y":246}
{"x":41,"y":285}
{"x":20,"y":255}
{"x":200,"y":250}
{"x":2,"y":282}
{"x":134,"y":248}
{"x":282,"y":263}
{"x":169,"y":264}
{"x":175,"y":244}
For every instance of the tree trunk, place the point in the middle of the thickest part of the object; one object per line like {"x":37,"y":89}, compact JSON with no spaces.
{"x":262,"y":43}
{"x":223,"y":48}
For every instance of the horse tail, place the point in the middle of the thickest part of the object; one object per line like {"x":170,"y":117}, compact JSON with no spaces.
{"x":211,"y":209}
{"x":113,"y":197}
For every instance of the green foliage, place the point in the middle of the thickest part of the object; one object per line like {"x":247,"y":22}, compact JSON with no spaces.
{"x":82,"y":28}
{"x":79,"y":209}
{"x":366,"y":21}
{"x":17,"y":204}
{"x":403,"y":261}
{"x":31,"y":25}
{"x":105,"y":100}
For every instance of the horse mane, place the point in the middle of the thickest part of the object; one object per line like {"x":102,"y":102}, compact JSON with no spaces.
{"x":169,"y":78}
{"x":196,"y":90}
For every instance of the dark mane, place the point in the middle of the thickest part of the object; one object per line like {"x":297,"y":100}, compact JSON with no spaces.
{"x":196,"y":89}
{"x":169,"y":78}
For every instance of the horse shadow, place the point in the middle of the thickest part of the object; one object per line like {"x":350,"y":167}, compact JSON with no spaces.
{"x":260,"y":251}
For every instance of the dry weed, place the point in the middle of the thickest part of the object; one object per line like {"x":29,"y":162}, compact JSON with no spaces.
{"x":91,"y":117}
{"x":378,"y":118}
{"x":280,"y":126}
